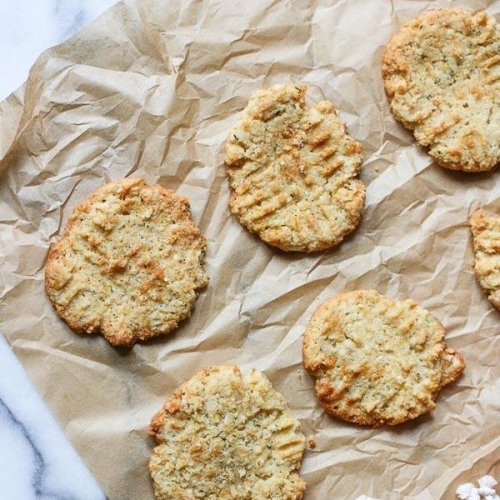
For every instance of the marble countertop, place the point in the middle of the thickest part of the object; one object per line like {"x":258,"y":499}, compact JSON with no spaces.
{"x":36,"y":459}
{"x":28,"y":27}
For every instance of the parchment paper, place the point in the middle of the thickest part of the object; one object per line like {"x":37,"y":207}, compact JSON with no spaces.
{"x":150,"y":90}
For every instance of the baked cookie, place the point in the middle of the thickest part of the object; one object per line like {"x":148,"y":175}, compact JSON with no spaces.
{"x":486,"y":237}
{"x":376,"y":360}
{"x":225,"y":435}
{"x":293,"y":171}
{"x":442,"y":77}
{"x":129,"y":265}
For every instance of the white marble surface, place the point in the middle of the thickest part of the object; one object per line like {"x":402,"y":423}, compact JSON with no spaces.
{"x":28,"y":27}
{"x":36,"y":460}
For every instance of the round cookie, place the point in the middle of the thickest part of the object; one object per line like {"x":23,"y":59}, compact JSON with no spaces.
{"x":442,"y":76}
{"x":129,"y":265}
{"x":293,"y":171}
{"x":226,"y":435}
{"x":486,"y":237}
{"x":376,"y":360}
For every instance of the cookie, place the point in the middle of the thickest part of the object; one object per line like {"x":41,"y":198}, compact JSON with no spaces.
{"x":486,"y":237}
{"x":442,"y":76}
{"x":293,"y":171}
{"x":226,"y":435}
{"x":129,"y":265}
{"x":377,"y":360}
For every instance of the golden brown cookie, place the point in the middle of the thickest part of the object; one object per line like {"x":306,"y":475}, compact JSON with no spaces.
{"x":442,"y":77}
{"x":129,"y":265}
{"x":486,"y":237}
{"x":376,"y":360}
{"x":225,"y":435}
{"x":293,"y":171}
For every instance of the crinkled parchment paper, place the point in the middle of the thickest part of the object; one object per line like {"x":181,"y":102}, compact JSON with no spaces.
{"x":150,"y":90}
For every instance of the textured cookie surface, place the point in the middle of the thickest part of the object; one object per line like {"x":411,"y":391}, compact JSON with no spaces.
{"x":442,"y":76}
{"x":376,"y":360}
{"x":293,"y":171}
{"x":226,"y":435}
{"x":486,"y":237}
{"x":129,"y":265}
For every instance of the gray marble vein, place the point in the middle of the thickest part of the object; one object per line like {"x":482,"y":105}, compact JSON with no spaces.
{"x":71,"y":16}
{"x":28,"y":27}
{"x":36,"y":459}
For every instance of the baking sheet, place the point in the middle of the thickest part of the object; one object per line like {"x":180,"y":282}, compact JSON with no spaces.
{"x":150,"y":90}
